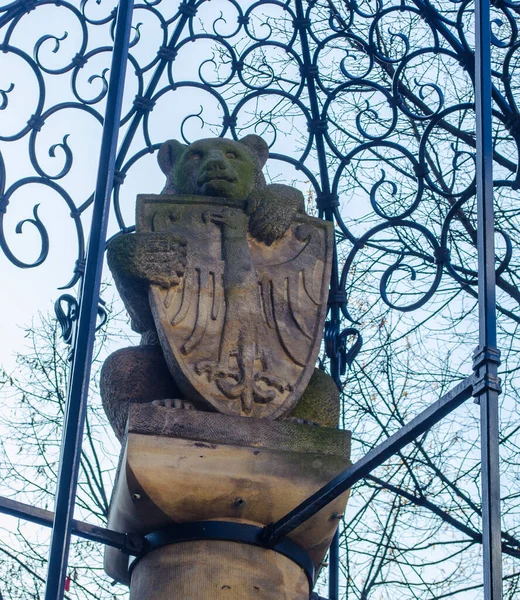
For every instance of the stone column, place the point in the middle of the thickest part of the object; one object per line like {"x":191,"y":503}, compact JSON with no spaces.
{"x":217,"y":570}
{"x":182,"y":466}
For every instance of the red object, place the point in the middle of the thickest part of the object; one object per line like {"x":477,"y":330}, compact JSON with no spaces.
{"x":67,"y":583}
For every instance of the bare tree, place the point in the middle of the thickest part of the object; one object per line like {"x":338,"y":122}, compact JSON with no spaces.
{"x":29,"y":453}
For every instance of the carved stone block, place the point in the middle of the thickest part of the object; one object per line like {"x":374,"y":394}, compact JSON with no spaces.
{"x":242,"y":330}
{"x":181,"y":466}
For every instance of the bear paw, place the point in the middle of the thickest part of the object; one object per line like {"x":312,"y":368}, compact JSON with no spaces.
{"x":174,"y":403}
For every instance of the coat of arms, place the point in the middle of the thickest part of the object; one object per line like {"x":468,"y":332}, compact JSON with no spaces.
{"x":242,"y":330}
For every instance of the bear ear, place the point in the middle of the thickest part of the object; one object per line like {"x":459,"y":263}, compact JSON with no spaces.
{"x":257,"y":146}
{"x":169,"y":153}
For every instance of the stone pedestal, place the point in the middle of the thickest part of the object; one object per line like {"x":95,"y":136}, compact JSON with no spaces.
{"x":182,"y":466}
{"x":217,"y":570}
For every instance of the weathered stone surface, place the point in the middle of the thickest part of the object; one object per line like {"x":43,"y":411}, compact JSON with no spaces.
{"x":216,"y":428}
{"x":218,"y":571}
{"x":242,"y":331}
{"x":134,"y":375}
{"x":226,"y":279}
{"x":319,"y":402}
{"x":210,"y":471}
{"x":232,"y":277}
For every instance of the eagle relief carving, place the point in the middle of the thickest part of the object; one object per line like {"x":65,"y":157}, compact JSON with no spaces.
{"x":226,"y":279}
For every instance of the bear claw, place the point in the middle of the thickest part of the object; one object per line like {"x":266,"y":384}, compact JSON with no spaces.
{"x":174,"y":403}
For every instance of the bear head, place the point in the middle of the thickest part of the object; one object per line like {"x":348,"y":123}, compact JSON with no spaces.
{"x":214,"y":166}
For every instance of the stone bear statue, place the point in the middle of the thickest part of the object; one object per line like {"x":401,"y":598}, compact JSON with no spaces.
{"x":214,"y":167}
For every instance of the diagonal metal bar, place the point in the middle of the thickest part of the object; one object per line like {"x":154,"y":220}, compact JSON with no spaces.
{"x":417,"y":426}
{"x":78,"y":385}
{"x":128,"y":543}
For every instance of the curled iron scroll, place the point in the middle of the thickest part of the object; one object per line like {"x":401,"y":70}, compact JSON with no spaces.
{"x":329,"y":85}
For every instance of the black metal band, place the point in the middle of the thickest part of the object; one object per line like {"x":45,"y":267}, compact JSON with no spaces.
{"x":228,"y":531}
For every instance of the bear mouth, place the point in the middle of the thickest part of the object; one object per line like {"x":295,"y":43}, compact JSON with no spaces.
{"x":216,"y":178}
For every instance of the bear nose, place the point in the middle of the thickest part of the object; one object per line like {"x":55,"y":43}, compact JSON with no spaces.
{"x":216,"y":161}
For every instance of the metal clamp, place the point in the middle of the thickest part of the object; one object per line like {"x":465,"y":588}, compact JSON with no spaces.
{"x":485,"y":363}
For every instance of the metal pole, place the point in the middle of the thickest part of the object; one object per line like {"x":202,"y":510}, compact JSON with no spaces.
{"x":327,"y":203}
{"x":334,"y":317}
{"x":126,"y":542}
{"x":364,"y":466}
{"x":486,"y":359}
{"x":78,"y":386}
{"x":334,"y":568}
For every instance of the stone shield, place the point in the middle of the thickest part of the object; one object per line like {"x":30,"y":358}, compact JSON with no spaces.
{"x":242,"y":330}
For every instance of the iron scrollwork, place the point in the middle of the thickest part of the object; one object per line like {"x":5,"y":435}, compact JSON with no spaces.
{"x":369,"y":103}
{"x":66,"y":310}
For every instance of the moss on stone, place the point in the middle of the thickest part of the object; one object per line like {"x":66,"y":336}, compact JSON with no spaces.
{"x":320,"y":402}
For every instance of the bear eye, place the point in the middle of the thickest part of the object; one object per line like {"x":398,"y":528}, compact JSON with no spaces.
{"x":230,"y":154}
{"x":196,"y":156}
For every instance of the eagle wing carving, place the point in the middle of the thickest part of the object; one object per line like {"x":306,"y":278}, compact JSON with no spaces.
{"x":291,"y":292}
{"x":242,"y":330}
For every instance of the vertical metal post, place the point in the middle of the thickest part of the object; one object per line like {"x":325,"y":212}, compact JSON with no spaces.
{"x":317,"y":127}
{"x":486,"y":359}
{"x":334,"y":568}
{"x":336,"y":375}
{"x":78,"y":385}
